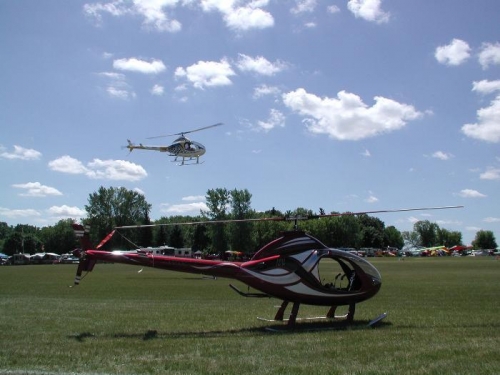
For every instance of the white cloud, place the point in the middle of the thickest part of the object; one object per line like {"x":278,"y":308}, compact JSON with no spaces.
{"x":487,"y":127}
{"x":455,"y":53}
{"x":100,"y":169}
{"x":259,"y":65}
{"x":333,"y":9}
{"x":304,"y":6}
{"x":140,"y":66}
{"x":276,"y":119}
{"x":371,"y":199}
{"x":470,"y":193}
{"x":36,"y":189}
{"x":116,"y":170}
{"x":263,"y":90}
{"x":21,"y":153}
{"x":207,"y":74}
{"x":157,"y":90}
{"x":492,"y":220}
{"x":246,"y":18}
{"x":369,"y":10}
{"x":485,"y":86}
{"x":64,"y":212}
{"x":347,"y":117}
{"x":13,"y":214}
{"x":490,"y":174}
{"x":241,"y":18}
{"x":153,"y":12}
{"x":117,"y":86}
{"x":489,"y":55}
{"x":442,"y":155}
{"x":184,"y":208}
{"x":119,"y":93}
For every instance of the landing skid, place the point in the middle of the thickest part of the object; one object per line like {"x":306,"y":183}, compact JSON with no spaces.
{"x":290,"y":322}
{"x":183,"y":164}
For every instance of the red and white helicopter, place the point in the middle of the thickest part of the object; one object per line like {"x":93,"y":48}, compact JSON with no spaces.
{"x":288,"y":268}
{"x":182,"y":147}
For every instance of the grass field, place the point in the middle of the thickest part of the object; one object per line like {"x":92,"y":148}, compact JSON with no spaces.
{"x":443,"y":318}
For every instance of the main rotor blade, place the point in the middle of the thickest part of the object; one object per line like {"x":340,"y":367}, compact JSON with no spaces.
{"x":187,"y":132}
{"x":288,"y":218}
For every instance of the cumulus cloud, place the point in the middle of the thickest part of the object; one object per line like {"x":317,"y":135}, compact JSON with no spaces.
{"x":455,"y":53}
{"x":470,"y":193}
{"x":369,"y":10}
{"x":304,"y":6}
{"x":154,"y":13}
{"x":17,"y":213}
{"x":259,"y":65}
{"x":36,"y":189}
{"x":489,"y":55}
{"x":442,"y":155}
{"x":346,"y":117}
{"x":20,"y":153}
{"x":486,"y":87}
{"x":64,"y":212}
{"x":207,"y":74}
{"x":371,"y":199}
{"x":492,"y":219}
{"x":264,"y":90}
{"x":140,"y":66}
{"x":157,"y":90}
{"x":117,"y":86}
{"x":276,"y":119}
{"x":487,"y":127}
{"x":116,"y":170}
{"x":490,"y":174}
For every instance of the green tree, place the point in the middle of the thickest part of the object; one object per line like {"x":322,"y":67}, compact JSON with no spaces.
{"x":60,"y":238}
{"x":112,"y":207}
{"x":485,"y":239}
{"x":393,"y":237}
{"x":449,"y":238}
{"x":217,"y":201}
{"x":428,"y":233}
{"x":201,"y":241}
{"x":241,"y":232}
{"x":176,"y":238}
{"x":372,"y":231}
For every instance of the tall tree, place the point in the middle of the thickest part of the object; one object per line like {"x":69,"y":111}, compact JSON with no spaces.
{"x":393,"y":237}
{"x":241,"y":232}
{"x":111,"y":207}
{"x":60,"y":238}
{"x":485,"y":239}
{"x":217,"y":201}
{"x":372,"y":231}
{"x":427,"y":232}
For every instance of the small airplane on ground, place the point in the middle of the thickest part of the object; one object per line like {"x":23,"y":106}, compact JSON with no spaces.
{"x":289,"y":268}
{"x":182,"y":147}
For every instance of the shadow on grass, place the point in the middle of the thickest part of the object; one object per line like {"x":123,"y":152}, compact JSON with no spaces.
{"x":274,"y":328}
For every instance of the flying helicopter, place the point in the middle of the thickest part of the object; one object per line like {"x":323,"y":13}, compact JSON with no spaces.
{"x":288,"y":268}
{"x":182,"y":147}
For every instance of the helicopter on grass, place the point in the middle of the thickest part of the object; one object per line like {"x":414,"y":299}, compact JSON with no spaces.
{"x":182,"y":147}
{"x":289,"y":268}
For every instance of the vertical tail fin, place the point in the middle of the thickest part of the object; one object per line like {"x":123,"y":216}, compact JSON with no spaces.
{"x":86,"y":264}
{"x":82,"y":232}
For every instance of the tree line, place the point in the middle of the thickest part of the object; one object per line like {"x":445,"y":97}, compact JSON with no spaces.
{"x":112,"y":207}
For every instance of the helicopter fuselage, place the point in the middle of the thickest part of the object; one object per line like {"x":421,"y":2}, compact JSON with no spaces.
{"x":289,"y":268}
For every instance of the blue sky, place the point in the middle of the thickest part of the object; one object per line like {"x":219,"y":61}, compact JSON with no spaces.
{"x":352,"y":105}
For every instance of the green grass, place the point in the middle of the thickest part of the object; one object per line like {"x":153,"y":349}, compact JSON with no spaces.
{"x":443,"y":318}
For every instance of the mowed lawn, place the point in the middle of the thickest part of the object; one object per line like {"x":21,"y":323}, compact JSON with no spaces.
{"x":443,"y":318}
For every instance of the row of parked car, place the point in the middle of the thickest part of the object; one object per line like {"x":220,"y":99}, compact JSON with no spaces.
{"x":38,"y":258}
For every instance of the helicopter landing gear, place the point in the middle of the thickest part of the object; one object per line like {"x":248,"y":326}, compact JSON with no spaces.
{"x":292,"y":319}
